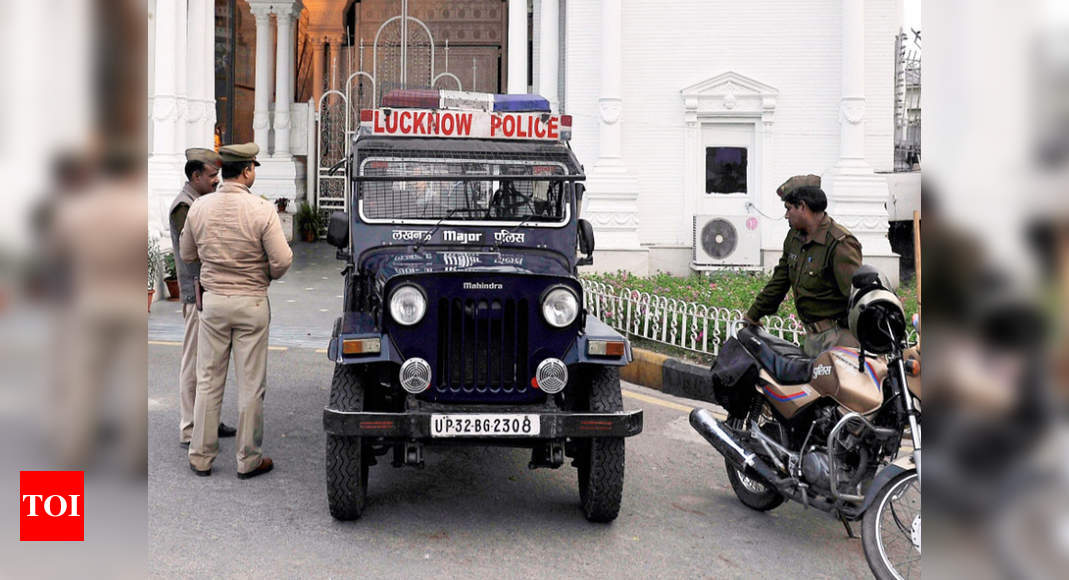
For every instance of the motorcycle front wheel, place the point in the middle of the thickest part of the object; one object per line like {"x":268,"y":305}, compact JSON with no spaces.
{"x":891,"y":529}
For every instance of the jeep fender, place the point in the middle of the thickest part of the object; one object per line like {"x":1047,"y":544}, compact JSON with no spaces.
{"x":595,"y":329}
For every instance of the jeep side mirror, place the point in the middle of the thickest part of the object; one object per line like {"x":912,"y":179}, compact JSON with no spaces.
{"x":338,"y":230}
{"x":586,"y":243}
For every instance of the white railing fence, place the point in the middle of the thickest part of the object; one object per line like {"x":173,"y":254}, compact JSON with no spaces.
{"x":687,"y":325}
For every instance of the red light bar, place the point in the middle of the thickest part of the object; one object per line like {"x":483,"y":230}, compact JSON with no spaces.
{"x":412,"y":99}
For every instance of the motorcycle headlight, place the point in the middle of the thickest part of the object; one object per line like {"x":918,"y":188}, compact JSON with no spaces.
{"x":408,"y":305}
{"x":560,"y":307}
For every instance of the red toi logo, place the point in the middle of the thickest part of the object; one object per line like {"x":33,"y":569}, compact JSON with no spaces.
{"x":51,"y":506}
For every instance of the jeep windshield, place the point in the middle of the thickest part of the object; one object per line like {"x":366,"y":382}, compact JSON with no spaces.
{"x":394,"y":189}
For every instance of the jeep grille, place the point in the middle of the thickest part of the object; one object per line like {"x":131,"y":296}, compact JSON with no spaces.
{"x":482,"y":346}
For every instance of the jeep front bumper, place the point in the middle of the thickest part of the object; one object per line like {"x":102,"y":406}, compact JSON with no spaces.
{"x":417,"y":424}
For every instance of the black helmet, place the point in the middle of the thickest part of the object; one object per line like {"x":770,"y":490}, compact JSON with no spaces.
{"x":876,"y":315}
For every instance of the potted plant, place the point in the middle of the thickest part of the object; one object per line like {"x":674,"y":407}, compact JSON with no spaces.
{"x":281,"y":204}
{"x":155,"y":265}
{"x":174,"y":291}
{"x":308,"y":222}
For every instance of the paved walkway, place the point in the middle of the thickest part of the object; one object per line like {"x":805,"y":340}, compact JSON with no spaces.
{"x":304,"y":303}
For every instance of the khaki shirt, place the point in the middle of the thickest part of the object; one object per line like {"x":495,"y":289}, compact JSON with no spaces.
{"x":238,"y":239}
{"x":818,"y":271}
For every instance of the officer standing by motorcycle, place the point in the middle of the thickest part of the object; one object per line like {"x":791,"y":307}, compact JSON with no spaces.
{"x":819,"y":259}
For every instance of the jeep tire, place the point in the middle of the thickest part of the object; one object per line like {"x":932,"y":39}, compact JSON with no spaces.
{"x":601,"y":459}
{"x":347,"y":465}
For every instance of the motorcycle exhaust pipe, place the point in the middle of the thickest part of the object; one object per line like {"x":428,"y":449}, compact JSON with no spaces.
{"x":721,"y":439}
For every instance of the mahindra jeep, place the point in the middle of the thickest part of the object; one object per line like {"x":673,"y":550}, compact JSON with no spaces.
{"x":463,"y":319}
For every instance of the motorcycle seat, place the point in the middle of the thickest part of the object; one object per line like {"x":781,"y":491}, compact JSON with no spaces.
{"x":784,"y":360}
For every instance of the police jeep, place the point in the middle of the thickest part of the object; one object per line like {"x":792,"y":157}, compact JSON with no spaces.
{"x":463,"y":318}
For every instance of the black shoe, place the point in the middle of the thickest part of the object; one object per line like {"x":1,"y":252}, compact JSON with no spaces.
{"x":226,"y":430}
{"x":184,"y":444}
{"x":265,"y":466}
{"x":204,"y":473}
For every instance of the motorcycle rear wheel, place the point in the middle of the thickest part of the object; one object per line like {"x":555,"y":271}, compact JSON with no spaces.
{"x":891,"y":529}
{"x":751,"y":492}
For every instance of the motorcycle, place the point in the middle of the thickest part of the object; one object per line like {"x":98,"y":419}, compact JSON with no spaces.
{"x":828,"y":432}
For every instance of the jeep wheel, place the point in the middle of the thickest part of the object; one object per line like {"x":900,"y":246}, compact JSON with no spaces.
{"x":347,"y":466}
{"x":601,"y":459}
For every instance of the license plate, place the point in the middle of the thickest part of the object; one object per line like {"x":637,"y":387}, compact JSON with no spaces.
{"x":484,"y":425}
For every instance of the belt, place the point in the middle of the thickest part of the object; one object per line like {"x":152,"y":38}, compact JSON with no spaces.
{"x":820,"y":325}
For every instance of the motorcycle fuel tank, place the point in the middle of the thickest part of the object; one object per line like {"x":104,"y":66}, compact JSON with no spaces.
{"x":787,"y":399}
{"x":837,"y":374}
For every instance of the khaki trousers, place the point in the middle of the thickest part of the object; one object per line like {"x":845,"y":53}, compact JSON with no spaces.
{"x":187,"y":374}
{"x":237,"y":323}
{"x":819,"y":342}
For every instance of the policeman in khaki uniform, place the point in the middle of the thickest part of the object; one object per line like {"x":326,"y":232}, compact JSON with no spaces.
{"x":818,"y":262}
{"x":202,"y":171}
{"x":238,"y":239}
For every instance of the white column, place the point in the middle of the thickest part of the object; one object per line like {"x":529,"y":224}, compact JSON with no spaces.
{"x":611,"y":204}
{"x":517,"y":63}
{"x":165,"y":99}
{"x":181,"y":76}
{"x":283,"y":79}
{"x":852,"y":103}
{"x":549,"y":52}
{"x":261,"y":116}
{"x":198,"y":77}
{"x":165,"y":175}
{"x":318,"y":47}
{"x":611,"y":102}
{"x":857,"y":196}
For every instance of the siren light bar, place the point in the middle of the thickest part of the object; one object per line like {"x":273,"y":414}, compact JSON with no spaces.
{"x":465,"y":100}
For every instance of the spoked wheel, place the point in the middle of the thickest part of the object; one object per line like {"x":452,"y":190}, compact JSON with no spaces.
{"x":601,"y":459}
{"x":891,"y":529}
{"x":750,"y":491}
{"x":347,"y":462}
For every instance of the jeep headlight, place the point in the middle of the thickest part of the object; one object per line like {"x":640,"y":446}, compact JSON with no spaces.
{"x":560,"y":307}
{"x":408,"y":305}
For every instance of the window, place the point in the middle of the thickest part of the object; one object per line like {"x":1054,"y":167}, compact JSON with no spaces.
{"x":725,"y":170}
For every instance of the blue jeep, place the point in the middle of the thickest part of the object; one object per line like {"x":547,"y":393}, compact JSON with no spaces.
{"x":463,"y":316}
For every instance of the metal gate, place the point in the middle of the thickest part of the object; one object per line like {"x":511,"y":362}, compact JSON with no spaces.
{"x":331,"y":150}
{"x":403,"y":55}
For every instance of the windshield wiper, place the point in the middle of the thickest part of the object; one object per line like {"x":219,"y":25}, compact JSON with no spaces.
{"x":434,"y":230}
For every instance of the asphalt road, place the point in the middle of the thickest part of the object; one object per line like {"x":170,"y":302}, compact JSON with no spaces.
{"x":472,"y":512}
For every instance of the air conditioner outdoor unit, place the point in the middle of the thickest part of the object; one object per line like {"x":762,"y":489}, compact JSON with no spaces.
{"x":726,"y":241}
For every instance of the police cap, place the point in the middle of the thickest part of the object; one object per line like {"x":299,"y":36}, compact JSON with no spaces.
{"x":206,"y":156}
{"x":796,"y":182}
{"x":238,"y":153}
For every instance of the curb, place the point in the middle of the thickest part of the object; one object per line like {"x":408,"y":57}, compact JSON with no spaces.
{"x":668,"y":375}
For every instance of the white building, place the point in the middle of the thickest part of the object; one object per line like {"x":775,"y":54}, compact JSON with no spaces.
{"x":669,"y":100}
